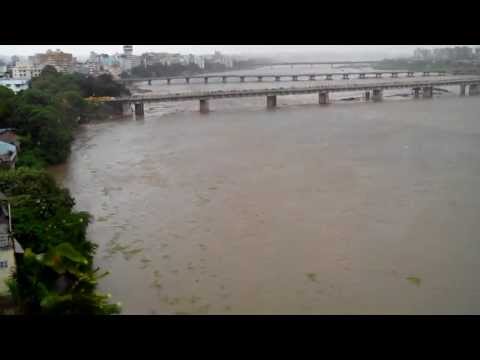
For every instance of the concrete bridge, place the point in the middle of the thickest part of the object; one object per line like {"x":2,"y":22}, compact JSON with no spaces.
{"x":290,"y":77}
{"x":373,"y":91}
{"x":312,"y":63}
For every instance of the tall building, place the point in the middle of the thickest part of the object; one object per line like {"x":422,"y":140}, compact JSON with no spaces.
{"x":61,"y":61}
{"x":127,"y":59}
{"x":128,"y":50}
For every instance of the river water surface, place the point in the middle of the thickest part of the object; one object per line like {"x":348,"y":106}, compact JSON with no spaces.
{"x":351,"y":208}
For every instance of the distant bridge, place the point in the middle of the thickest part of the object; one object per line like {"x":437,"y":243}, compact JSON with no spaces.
{"x":291,"y":77}
{"x":311,"y":63}
{"x":123,"y":105}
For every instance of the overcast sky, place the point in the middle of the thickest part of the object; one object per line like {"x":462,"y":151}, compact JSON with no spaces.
{"x":360,"y":50}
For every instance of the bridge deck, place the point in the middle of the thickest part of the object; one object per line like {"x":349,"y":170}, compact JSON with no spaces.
{"x":299,"y":90}
{"x":219,"y":76}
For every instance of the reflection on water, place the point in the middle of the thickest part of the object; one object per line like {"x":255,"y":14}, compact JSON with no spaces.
{"x":350,"y":208}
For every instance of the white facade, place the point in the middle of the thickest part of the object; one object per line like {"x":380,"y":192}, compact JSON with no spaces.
{"x":26,"y":71}
{"x":15,"y":85}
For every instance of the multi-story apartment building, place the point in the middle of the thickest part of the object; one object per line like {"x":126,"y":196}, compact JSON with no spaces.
{"x":26,"y":71}
{"x":63,"y":62}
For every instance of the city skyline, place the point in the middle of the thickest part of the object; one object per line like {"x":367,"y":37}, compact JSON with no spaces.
{"x":359,"y":50}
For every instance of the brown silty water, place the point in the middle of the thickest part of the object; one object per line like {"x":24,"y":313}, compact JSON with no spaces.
{"x":352,"y":208}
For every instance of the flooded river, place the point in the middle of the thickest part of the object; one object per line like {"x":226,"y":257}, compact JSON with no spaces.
{"x":352,"y":208}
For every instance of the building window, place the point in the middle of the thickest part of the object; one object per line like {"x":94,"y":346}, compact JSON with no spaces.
{"x":3,"y":264}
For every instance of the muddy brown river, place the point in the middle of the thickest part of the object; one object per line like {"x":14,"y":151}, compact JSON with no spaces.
{"x":352,"y":208}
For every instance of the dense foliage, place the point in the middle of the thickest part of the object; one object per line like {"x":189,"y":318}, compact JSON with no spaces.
{"x":47,"y":114}
{"x":55,"y":275}
{"x":160,"y":70}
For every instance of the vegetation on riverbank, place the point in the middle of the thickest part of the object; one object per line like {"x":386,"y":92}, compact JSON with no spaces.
{"x":161,"y":70}
{"x":55,"y":275}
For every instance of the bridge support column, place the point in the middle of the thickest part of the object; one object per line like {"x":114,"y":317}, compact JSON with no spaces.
{"x":168,"y":81}
{"x":277,"y":78}
{"x":473,"y":90}
{"x":428,"y":92}
{"x":260,"y":78}
{"x":150,"y":82}
{"x":409,"y":74}
{"x":204,"y":106}
{"x":378,"y":75}
{"x":394,"y":75}
{"x":271,"y":101}
{"x":361,"y":76}
{"x":377,"y":95}
{"x":462,"y":90}
{"x":328,"y":77}
{"x":242,"y":78}
{"x":426,"y":73}
{"x":187,"y":80}
{"x":206,"y":80}
{"x":323,"y":98}
{"x":345,"y":76}
{"x":139,"y":109}
{"x":312,"y":77}
{"x":295,"y":78}
{"x":367,"y":95}
{"x":224,"y":79}
{"x":122,"y":109}
{"x":416,"y":92}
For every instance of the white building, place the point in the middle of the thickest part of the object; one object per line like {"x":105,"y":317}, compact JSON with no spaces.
{"x":15,"y":85}
{"x":26,"y":71}
{"x":3,"y":71}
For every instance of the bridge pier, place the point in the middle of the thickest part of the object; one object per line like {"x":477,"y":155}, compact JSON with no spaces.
{"x":204,"y":106}
{"x":277,"y":78}
{"x":367,"y":95}
{"x":187,"y":80}
{"x":122,"y":108}
{"x":426,"y":73}
{"x":328,"y":77}
{"x":295,"y":78}
{"x":312,"y":77}
{"x":224,"y":79}
{"x":462,"y":90}
{"x":361,"y":76}
{"x":206,"y":80}
{"x":150,"y":82}
{"x":242,"y":78}
{"x":416,"y":92}
{"x":271,"y":101}
{"x":428,"y":92}
{"x":473,"y":90}
{"x":378,"y":75}
{"x":139,"y":109}
{"x":409,"y":74}
{"x":394,"y":75}
{"x":168,"y":81}
{"x":323,"y":98}
{"x":259,"y":78}
{"x":377,"y":94}
{"x":345,"y":76}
